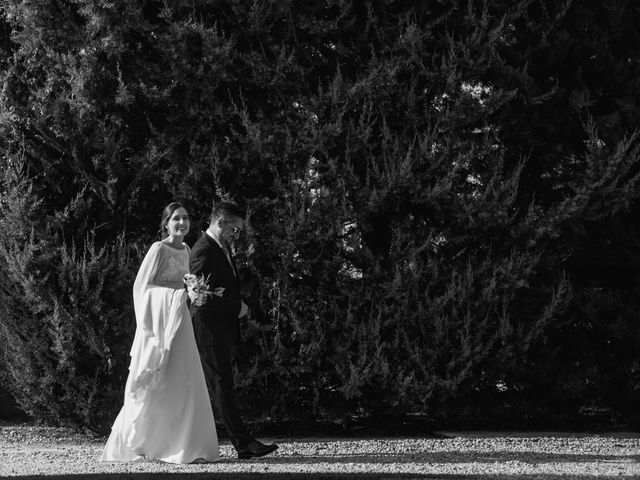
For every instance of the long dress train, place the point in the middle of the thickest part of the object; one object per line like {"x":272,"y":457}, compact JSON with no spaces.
{"x":167,"y":413}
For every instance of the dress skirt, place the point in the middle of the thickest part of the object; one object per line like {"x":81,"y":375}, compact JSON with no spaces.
{"x":172,"y":420}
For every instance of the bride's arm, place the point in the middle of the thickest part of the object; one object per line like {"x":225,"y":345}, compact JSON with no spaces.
{"x":144,"y":283}
{"x":148,"y":267}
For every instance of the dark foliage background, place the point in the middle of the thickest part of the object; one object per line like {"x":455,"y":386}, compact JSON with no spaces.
{"x":442,"y":197}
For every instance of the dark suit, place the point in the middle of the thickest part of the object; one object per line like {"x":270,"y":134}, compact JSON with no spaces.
{"x":217,"y":330}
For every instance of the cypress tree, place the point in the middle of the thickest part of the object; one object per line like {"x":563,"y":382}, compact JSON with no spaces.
{"x":426,"y":186}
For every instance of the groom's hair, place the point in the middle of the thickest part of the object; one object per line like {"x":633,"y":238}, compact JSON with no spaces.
{"x":224,"y":210}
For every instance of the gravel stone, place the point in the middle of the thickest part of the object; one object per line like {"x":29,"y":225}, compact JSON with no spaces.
{"x":32,"y":450}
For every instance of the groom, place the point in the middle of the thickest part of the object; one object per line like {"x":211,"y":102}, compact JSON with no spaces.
{"x":216,"y":324}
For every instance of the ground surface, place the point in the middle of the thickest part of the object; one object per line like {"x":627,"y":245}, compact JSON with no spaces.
{"x":35,"y":451}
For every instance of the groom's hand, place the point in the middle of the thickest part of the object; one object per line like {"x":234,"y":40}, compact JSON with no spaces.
{"x":243,"y":309}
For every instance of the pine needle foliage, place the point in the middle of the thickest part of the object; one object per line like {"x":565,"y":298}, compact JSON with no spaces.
{"x":442,"y":198}
{"x":65,"y":329}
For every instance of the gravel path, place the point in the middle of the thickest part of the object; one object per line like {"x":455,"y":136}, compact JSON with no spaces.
{"x":29,"y":451}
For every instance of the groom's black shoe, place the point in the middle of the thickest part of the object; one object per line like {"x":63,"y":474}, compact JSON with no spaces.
{"x":256,"y":448}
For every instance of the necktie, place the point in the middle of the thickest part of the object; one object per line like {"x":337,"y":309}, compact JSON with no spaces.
{"x":228,"y":255}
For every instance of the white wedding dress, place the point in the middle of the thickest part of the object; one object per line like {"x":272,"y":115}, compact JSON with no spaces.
{"x":166,"y":413}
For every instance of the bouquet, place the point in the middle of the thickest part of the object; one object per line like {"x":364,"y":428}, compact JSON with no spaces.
{"x":198,"y":289}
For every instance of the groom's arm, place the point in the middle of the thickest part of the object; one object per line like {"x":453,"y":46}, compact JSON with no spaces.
{"x":198,"y":260}
{"x":199,"y":265}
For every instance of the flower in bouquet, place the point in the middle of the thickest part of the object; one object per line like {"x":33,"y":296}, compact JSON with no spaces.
{"x":198,"y":289}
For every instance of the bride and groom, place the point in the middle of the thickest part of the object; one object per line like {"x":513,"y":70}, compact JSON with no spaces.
{"x":181,"y":358}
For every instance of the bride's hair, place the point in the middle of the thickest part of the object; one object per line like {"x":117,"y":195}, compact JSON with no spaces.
{"x":166,"y":215}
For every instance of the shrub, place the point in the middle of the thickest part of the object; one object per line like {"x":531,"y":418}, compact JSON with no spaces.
{"x":425,"y":185}
{"x":67,"y":315}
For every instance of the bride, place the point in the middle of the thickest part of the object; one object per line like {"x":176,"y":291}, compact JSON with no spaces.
{"x":166,"y":413}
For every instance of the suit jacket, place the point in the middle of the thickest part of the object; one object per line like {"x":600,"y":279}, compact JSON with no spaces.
{"x":216,"y":322}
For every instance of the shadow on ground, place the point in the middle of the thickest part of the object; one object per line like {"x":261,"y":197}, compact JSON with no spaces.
{"x":455,"y":457}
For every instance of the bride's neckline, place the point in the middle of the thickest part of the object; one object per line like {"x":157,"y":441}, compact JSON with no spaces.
{"x":174,"y":248}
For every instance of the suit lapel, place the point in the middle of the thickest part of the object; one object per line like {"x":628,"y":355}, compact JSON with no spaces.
{"x":214,"y":245}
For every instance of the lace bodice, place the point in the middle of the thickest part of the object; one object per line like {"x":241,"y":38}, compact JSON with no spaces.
{"x":172,"y":266}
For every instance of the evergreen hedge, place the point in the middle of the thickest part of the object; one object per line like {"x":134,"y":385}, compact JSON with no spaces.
{"x":442,"y":199}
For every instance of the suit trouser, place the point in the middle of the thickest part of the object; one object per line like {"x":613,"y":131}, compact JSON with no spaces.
{"x":217,"y":364}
